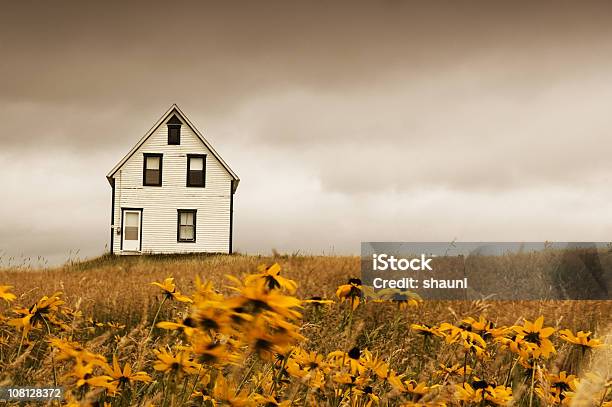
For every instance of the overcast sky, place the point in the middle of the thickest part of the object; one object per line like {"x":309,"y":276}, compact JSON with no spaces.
{"x":346,"y":122}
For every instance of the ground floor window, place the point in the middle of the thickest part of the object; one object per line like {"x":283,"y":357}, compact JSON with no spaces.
{"x":186,"y":225}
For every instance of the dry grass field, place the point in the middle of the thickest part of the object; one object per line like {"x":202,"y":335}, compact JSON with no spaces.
{"x":107,"y":335}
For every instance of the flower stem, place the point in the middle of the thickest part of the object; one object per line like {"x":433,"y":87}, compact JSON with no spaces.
{"x":161,"y":304}
{"x":510,"y":371}
{"x":52,"y":356}
{"x":532,"y":383}
{"x":20,"y":345}
{"x":465,"y":366}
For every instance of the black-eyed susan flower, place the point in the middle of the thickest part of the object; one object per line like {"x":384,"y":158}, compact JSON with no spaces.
{"x":211,"y":352}
{"x":379,"y":367}
{"x":418,"y":389}
{"x":351,"y":292}
{"x":179,"y":363}
{"x":124,"y":376}
{"x":317,"y":301}
{"x":170,"y":292}
{"x":364,"y":396}
{"x":271,"y":401}
{"x":271,"y":278}
{"x":537,"y":335}
{"x":498,"y":395}
{"x":473,"y":343}
{"x":81,"y":372}
{"x":482,"y":392}
{"x":42,"y":311}
{"x":562,"y":382}
{"x":83,"y":375}
{"x":481,"y":326}
{"x":456,"y":370}
{"x":350,"y":359}
{"x":255,"y":299}
{"x":450,"y":332}
{"x":185,"y":326}
{"x":5,"y":294}
{"x":92,"y":323}
{"x":25,"y":322}
{"x":206,"y":292}
{"x":217,"y":317}
{"x":309,"y":360}
{"x":425,"y":330}
{"x":582,"y":339}
{"x":402,"y":298}
{"x":73,"y":350}
{"x":432,"y":403}
{"x":226,"y":391}
{"x":516,"y":344}
{"x":267,"y":341}
{"x":104,"y":382}
{"x":348,"y":379}
{"x":554,"y":387}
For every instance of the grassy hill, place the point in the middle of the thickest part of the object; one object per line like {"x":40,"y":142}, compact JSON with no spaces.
{"x":118,"y":287}
{"x":113,"y":304}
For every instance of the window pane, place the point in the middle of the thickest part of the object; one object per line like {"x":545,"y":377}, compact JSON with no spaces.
{"x":186,"y":233}
{"x":196,"y":177}
{"x":196,"y":164}
{"x":174,"y":134}
{"x":131,"y":233}
{"x":187,"y":218}
{"x":152,"y":177}
{"x":131,"y":219}
{"x":152,"y":163}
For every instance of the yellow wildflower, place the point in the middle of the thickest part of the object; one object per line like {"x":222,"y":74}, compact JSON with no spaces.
{"x":170,"y":292}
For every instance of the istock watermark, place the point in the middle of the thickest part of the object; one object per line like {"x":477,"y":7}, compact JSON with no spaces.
{"x":488,"y":270}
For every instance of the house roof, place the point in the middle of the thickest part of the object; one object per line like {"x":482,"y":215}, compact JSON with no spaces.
{"x":174,"y":110}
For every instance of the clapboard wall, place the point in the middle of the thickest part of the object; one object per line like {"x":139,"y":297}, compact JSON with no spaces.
{"x":160,"y":204}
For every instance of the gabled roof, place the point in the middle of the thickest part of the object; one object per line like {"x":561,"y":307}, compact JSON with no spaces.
{"x":174,"y":110}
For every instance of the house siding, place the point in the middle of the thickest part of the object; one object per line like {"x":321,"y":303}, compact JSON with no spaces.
{"x":159,"y":204}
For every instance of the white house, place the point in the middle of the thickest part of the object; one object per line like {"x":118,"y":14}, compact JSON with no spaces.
{"x":172,"y":193}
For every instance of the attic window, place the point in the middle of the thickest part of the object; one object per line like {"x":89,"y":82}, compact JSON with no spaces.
{"x":174,"y":131}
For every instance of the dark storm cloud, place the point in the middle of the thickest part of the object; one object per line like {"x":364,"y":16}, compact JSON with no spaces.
{"x":342,"y":118}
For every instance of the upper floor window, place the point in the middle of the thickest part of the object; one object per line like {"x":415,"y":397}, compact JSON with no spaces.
{"x":196,"y":170}
{"x":174,"y":130}
{"x":152,"y":172}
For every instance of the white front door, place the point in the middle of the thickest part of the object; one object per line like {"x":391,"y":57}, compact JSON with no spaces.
{"x":130,"y":235}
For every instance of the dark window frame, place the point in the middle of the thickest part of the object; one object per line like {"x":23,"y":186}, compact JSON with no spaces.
{"x":172,"y":141}
{"x":144,"y":169}
{"x":203,"y":157}
{"x":178,"y":225}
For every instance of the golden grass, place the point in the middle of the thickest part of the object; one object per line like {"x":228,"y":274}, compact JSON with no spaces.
{"x":118,"y":289}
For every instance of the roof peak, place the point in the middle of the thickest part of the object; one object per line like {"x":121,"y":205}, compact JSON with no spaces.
{"x":174,"y":109}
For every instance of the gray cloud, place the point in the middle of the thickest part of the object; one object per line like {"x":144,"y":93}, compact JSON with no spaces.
{"x":346,"y":122}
